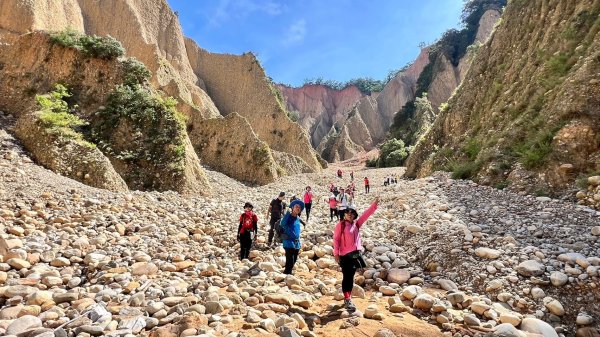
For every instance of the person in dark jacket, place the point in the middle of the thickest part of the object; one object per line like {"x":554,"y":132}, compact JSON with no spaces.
{"x":291,"y":240}
{"x":247,"y":230}
{"x":276,"y":210}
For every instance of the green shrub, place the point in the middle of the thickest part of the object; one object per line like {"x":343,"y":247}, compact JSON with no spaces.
{"x":293,"y":115}
{"x":371,"y":162}
{"x":156,"y":128}
{"x":392,"y":153}
{"x":56,"y":118}
{"x":135,"y":72}
{"x":463,"y":170}
{"x":502,"y":185}
{"x":67,"y":38}
{"x":533,"y":152}
{"x":472,"y":148}
{"x":104,"y":47}
{"x":558,"y":65}
{"x":396,"y":158}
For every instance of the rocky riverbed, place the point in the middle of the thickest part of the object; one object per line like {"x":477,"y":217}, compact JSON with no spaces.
{"x":445,"y":258}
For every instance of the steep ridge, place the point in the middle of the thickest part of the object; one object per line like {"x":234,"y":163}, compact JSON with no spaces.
{"x":239,"y":84}
{"x":150,"y":31}
{"x":526,"y":113}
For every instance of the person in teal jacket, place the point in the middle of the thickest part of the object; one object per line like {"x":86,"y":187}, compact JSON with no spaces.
{"x":291,"y":240}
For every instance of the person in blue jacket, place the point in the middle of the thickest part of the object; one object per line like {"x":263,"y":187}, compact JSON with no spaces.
{"x":291,"y":240}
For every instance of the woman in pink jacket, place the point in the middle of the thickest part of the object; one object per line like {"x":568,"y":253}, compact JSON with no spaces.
{"x":347,"y":247}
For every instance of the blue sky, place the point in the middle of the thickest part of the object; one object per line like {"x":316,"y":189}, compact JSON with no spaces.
{"x":333,"y":39}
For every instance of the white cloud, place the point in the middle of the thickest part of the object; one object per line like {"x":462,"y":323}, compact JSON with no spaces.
{"x":228,"y":10}
{"x":295,"y":33}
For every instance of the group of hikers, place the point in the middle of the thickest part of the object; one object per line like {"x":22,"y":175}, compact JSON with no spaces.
{"x":286,"y":226}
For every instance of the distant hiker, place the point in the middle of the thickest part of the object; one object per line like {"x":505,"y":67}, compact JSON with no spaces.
{"x":335,"y":191}
{"x":339,"y":173}
{"x":276,"y":210}
{"x":351,"y":175}
{"x":342,"y":203}
{"x":331,"y":186}
{"x":291,"y":238}
{"x":347,"y":248}
{"x":247,"y":230}
{"x":308,"y":196}
{"x":332,"y":207}
{"x":350,"y":191}
{"x":366,"y":185}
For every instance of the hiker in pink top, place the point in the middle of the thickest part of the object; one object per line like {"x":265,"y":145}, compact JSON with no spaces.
{"x":308,"y":196}
{"x":347,"y":248}
{"x":332,"y":202}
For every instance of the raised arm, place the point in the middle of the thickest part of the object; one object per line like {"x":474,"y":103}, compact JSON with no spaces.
{"x":367,"y":213}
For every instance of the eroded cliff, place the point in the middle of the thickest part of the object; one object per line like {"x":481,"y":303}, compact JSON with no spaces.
{"x":526,"y":114}
{"x":150,"y":32}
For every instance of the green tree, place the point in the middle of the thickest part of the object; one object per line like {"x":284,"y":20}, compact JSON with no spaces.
{"x":392,"y":153}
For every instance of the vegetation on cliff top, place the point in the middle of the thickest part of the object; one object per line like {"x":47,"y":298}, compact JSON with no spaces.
{"x":366,"y":85}
{"x":104,"y":47}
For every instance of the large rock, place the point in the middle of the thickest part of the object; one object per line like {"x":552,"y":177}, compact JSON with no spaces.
{"x":237,"y":144}
{"x":487,"y":253}
{"x":22,"y":324}
{"x":530,"y":268}
{"x":535,"y":325}
{"x":398,"y":276}
{"x":75,"y":159}
{"x":507,"y":330}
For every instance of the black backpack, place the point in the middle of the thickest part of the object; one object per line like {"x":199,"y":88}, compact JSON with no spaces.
{"x":280,"y":229}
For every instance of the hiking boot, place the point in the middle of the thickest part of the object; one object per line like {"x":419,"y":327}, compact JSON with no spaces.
{"x":349,"y":305}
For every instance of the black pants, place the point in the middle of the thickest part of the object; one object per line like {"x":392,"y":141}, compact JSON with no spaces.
{"x":341,"y":213}
{"x":349,"y":266}
{"x":332,"y":213}
{"x":366,"y":188}
{"x":272,"y":223}
{"x":291,"y":255}
{"x":245,"y":244}
{"x":307,"y":207}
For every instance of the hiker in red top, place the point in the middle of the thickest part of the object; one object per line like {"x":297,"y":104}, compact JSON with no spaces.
{"x":366,"y":185}
{"x":247,"y":230}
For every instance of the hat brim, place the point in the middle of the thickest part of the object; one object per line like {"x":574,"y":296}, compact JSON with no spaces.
{"x":297,"y":202}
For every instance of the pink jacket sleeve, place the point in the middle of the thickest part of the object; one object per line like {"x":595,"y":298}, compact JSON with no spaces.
{"x":366,"y":215}
{"x":337,"y":239}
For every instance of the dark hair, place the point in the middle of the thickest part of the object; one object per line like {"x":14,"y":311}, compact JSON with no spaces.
{"x":353,"y":211}
{"x":248,"y":205}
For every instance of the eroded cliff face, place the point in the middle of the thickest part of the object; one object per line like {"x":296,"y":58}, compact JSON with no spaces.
{"x":32,"y":65}
{"x":375,"y":112}
{"x":319,"y":107}
{"x":150,"y":32}
{"x":239,"y":84}
{"x":526,"y":115}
